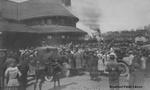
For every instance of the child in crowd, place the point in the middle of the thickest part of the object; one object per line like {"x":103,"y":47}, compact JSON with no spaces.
{"x":12,"y":73}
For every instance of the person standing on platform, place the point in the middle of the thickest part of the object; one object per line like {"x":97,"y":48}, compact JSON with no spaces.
{"x":101,"y":65}
{"x":12,"y":73}
{"x":137,"y":72}
{"x":93,"y":64}
{"x":24,"y":68}
{"x":114,"y":73}
{"x":78,"y":61}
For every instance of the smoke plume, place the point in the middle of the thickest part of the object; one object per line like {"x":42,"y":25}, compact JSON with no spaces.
{"x":112,"y":15}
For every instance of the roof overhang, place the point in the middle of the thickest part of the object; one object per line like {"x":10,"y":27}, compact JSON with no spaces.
{"x":41,"y":29}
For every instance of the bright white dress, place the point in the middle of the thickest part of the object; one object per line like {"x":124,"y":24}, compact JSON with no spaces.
{"x":12,"y":73}
{"x":101,"y":65}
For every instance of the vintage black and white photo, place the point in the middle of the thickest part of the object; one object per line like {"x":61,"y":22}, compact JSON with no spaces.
{"x":74,"y":44}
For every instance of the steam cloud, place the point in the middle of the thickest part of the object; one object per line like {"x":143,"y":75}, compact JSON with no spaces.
{"x":112,"y":15}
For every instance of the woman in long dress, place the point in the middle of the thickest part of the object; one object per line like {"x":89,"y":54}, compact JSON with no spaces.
{"x":78,"y":60}
{"x":101,"y":65}
{"x":12,"y":73}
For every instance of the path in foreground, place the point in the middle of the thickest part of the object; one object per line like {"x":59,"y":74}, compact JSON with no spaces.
{"x":84,"y":83}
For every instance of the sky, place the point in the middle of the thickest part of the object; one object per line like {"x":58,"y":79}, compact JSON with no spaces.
{"x":112,"y":15}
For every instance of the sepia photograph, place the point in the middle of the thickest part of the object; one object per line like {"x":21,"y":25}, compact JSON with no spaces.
{"x":74,"y":44}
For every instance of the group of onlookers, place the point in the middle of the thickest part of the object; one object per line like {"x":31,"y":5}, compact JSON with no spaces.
{"x":137,"y":63}
{"x":79,"y":59}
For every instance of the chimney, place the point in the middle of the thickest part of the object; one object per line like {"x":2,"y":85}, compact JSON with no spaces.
{"x":67,"y":2}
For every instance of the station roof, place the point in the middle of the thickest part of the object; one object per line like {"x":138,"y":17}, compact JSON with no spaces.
{"x":34,"y":9}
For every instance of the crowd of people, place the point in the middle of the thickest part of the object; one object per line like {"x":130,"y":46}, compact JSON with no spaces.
{"x":75,"y":60}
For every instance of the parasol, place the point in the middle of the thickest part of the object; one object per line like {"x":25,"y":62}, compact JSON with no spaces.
{"x":146,"y":46}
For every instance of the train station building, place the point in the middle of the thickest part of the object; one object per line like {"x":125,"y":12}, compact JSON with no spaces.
{"x":33,"y":22}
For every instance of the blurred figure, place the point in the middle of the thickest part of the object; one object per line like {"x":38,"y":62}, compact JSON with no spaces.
{"x":67,"y":68}
{"x":114,"y":73}
{"x":93,"y":64}
{"x":24,"y":68}
{"x":12,"y":73}
{"x":57,"y":69}
{"x":78,"y":61}
{"x":137,"y":72}
{"x":131,"y":57}
{"x":101,"y":65}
